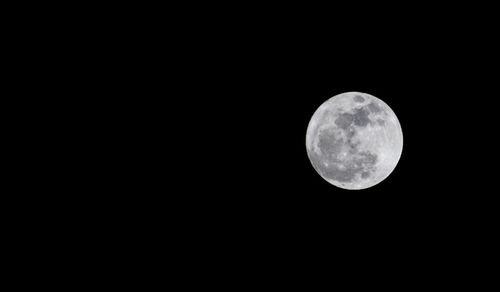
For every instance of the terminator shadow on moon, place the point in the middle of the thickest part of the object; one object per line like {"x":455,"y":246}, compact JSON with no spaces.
{"x":354,"y":140}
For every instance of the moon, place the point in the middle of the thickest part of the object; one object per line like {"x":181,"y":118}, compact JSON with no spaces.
{"x":354,"y":140}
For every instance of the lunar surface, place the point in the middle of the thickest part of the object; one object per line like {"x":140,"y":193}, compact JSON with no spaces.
{"x":354,"y":140}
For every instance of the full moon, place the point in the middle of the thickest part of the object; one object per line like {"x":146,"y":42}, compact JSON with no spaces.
{"x":354,"y":140}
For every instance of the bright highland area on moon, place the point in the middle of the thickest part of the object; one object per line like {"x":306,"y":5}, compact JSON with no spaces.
{"x":354,"y":140}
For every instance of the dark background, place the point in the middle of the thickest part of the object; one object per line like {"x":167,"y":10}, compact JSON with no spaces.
{"x":186,"y":126}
